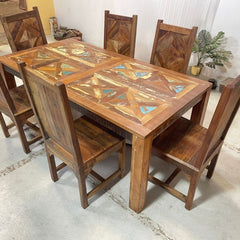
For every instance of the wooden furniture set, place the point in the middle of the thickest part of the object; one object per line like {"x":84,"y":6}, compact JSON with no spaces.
{"x":144,"y":100}
{"x":140,"y":98}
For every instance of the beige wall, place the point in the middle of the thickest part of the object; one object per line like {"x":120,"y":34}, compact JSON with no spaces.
{"x":46,"y":10}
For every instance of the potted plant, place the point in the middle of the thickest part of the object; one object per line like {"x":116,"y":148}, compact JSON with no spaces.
{"x":209,"y":51}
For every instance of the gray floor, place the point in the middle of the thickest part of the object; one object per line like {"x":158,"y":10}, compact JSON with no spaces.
{"x":34,"y":207}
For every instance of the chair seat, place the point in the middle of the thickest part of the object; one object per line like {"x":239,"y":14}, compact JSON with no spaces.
{"x":174,"y":141}
{"x":20,"y":98}
{"x":93,"y":140}
{"x":193,"y":148}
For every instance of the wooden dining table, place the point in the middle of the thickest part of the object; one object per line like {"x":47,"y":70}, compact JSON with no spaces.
{"x":137,"y":97}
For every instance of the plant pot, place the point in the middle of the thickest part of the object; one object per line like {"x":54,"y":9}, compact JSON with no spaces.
{"x":196,"y":70}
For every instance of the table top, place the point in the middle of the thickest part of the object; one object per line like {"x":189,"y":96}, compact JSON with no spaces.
{"x":138,"y":97}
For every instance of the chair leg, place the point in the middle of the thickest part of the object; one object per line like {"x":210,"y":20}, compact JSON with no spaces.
{"x":122,"y":160}
{"x":191,"y":191}
{"x":4,"y":126}
{"x":52,"y":166}
{"x":23,"y":137}
{"x":82,"y":191}
{"x":212,"y":165}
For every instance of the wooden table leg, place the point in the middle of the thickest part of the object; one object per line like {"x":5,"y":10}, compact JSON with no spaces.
{"x":141,"y":153}
{"x":8,"y":78}
{"x":199,"y":110}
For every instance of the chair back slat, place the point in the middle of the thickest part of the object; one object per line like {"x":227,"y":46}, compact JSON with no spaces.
{"x":120,"y":33}
{"x":172,"y":46}
{"x":224,"y":114}
{"x":51,"y":106}
{"x":6,"y":101}
{"x":24,"y":30}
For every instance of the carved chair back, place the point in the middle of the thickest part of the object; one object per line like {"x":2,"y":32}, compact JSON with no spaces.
{"x":221,"y":121}
{"x":24,"y":30}
{"x":6,"y":103}
{"x":120,"y":33}
{"x":172,"y":46}
{"x":51,"y":106}
{"x":14,"y":103}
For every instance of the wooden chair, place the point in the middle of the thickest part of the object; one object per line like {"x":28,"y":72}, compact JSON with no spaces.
{"x":172,"y":46}
{"x":80,"y":144}
{"x":24,"y":30}
{"x":14,"y":104}
{"x":192,"y":148}
{"x":120,"y":33}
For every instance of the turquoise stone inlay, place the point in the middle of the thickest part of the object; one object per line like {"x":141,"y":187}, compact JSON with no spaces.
{"x":140,"y":74}
{"x":121,"y":73}
{"x":64,"y":65}
{"x":107,"y":90}
{"x":120,"y":67}
{"x":146,"y":110}
{"x":178,"y":88}
{"x":66,"y":73}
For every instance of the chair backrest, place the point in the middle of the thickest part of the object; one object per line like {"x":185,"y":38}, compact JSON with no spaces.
{"x":120,"y":33}
{"x":50,"y":104}
{"x":221,"y":121}
{"x":172,"y":46}
{"x":24,"y":30}
{"x":6,"y":102}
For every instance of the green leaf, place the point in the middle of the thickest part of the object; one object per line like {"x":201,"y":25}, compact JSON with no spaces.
{"x":211,"y":50}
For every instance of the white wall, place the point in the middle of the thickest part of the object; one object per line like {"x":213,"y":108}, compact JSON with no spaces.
{"x":228,"y":20}
{"x":88,"y":17}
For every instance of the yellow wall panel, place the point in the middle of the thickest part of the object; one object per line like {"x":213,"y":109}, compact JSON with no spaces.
{"x":46,"y":10}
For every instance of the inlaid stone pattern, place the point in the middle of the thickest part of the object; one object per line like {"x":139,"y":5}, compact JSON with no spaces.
{"x":132,"y":90}
{"x":36,"y":58}
{"x":78,"y":52}
{"x":59,"y":69}
{"x":50,"y":64}
{"x":57,"y":61}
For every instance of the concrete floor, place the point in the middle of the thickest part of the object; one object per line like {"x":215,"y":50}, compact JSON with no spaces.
{"x":34,"y":207}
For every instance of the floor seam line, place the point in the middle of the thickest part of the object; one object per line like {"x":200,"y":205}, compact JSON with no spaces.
{"x":13,"y":167}
{"x":231,"y":147}
{"x":145,"y":220}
